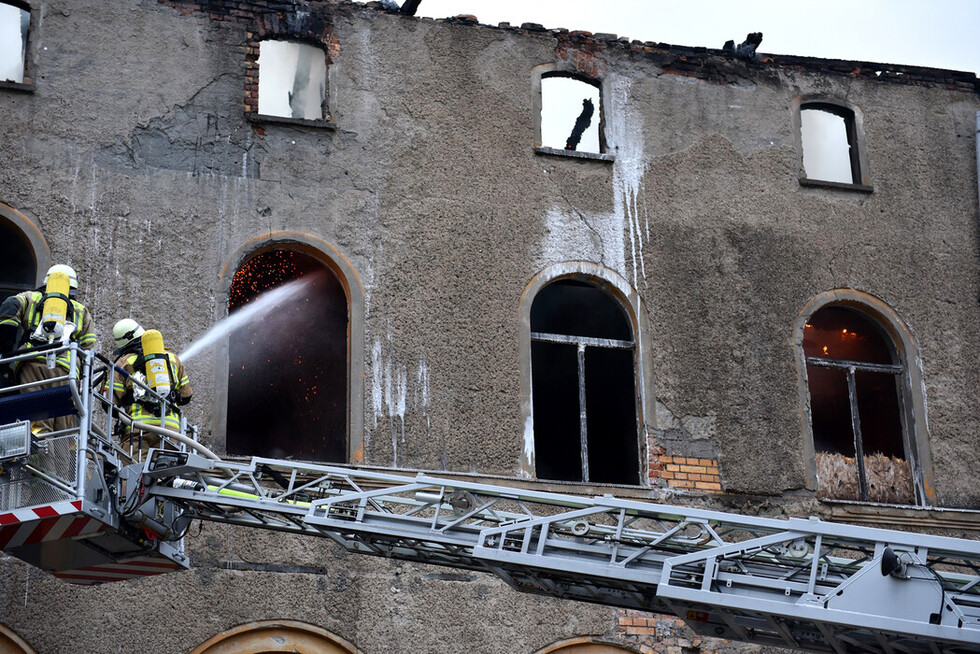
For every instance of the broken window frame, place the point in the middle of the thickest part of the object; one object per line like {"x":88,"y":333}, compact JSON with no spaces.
{"x":340,"y":265}
{"x":28,"y":83}
{"x":252,"y":77}
{"x":620,"y":291}
{"x":908,"y":375}
{"x":581,"y":343}
{"x":854,"y":131}
{"x":850,"y":368}
{"x":546,"y":71}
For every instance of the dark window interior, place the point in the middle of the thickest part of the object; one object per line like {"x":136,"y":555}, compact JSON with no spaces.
{"x":287,"y":382}
{"x":18,"y":270}
{"x":569,"y":306}
{"x":578,"y":309}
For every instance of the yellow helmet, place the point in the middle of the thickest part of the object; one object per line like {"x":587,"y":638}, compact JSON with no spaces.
{"x":68,"y":270}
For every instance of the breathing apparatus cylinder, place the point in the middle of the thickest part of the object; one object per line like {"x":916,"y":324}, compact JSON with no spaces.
{"x":55,"y":311}
{"x":156,"y":361}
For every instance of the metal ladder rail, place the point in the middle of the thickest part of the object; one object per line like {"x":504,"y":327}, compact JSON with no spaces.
{"x":618,"y":552}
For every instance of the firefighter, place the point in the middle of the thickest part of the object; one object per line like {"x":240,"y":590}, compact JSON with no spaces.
{"x":51,"y":313}
{"x":147,"y":365}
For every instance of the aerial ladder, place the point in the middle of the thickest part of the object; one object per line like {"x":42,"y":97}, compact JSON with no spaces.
{"x":77,"y":505}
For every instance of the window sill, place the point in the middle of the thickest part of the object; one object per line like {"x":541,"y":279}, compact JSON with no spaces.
{"x":574,"y":154}
{"x":23,"y":87}
{"x":898,"y":516}
{"x":819,"y":183}
{"x":266,"y":119}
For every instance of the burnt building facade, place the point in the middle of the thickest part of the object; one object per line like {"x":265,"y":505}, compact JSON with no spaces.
{"x":563,"y":260}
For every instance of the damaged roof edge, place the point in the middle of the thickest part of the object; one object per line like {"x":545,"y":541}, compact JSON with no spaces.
{"x":696,"y":56}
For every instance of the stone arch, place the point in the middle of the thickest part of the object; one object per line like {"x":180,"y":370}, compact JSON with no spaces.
{"x":26,"y":231}
{"x":619,"y":289}
{"x":912,"y":385}
{"x":340,"y":266}
{"x":592,"y":645}
{"x":275,"y":636}
{"x":11,"y":643}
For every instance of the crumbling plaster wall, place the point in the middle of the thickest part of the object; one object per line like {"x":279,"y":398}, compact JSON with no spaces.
{"x":134,"y":158}
{"x":152,"y":180}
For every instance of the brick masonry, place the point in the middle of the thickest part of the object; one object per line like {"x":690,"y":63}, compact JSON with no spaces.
{"x":689,"y":473}
{"x":664,"y":633}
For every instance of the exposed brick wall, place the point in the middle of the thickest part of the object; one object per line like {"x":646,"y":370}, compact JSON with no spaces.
{"x":690,"y":473}
{"x":664,"y":633}
{"x":269,"y":19}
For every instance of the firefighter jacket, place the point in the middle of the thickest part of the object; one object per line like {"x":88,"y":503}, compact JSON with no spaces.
{"x":24,"y":310}
{"x":140,"y":409}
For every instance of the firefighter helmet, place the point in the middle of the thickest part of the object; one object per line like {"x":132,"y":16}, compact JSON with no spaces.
{"x":68,"y":270}
{"x":125,"y":331}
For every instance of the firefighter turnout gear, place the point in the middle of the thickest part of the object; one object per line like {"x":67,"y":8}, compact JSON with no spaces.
{"x":46,"y":315}
{"x":150,"y":367}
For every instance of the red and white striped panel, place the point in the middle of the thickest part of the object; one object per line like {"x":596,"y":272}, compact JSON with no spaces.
{"x":140,"y":566}
{"x":44,"y":523}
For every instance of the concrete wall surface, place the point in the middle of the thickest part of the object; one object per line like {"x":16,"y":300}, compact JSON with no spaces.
{"x":137,"y":155}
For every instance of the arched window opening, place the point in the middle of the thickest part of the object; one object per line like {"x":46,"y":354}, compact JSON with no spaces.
{"x":583,"y":385}
{"x":288,"y":370}
{"x":18,"y":267}
{"x":292,"y":80}
{"x":15,"y":20}
{"x":856,"y":380}
{"x":571,"y":114}
{"x":268,"y":636}
{"x":828,"y":135}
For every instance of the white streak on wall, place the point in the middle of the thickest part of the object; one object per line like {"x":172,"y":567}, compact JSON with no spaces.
{"x":607,"y":239}
{"x":528,"y":447}
{"x":376,"y":399}
{"x":626,"y":141}
{"x":392,"y":394}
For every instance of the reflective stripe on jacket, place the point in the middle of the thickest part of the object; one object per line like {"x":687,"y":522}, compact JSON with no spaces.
{"x":30,"y":307}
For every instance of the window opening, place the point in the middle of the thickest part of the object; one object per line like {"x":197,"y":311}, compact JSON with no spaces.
{"x":15,"y":19}
{"x":856,"y":408}
{"x":570,"y":114}
{"x":287,"y":372}
{"x":292,"y":80}
{"x":828,"y":136}
{"x":18,"y":269}
{"x":583,"y":386}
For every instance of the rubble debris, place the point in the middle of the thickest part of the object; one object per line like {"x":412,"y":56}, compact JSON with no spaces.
{"x":889,"y":478}
{"x":745,"y":49}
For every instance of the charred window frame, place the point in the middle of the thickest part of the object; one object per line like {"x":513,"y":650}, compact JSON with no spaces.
{"x":270,"y":98}
{"x":568,"y":356}
{"x":852,"y":452}
{"x":827,"y":128}
{"x":16,"y":17}
{"x":552,"y":139}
